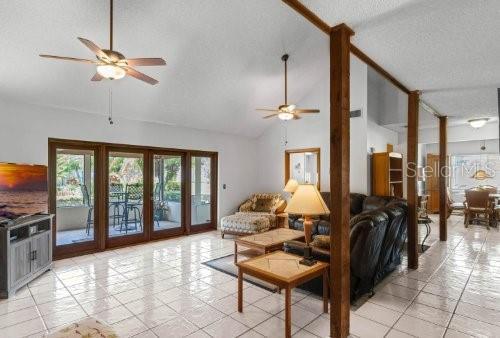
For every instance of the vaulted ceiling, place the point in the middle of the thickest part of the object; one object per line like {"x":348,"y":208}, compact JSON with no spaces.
{"x":449,"y":49}
{"x":223,"y":56}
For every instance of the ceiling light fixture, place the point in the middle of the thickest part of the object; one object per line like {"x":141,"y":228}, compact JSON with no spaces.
{"x":111,"y":72}
{"x":285,"y":116}
{"x":478,"y":123}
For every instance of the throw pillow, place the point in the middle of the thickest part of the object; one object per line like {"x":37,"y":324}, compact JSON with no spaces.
{"x":321,"y":241}
{"x":263,"y":204}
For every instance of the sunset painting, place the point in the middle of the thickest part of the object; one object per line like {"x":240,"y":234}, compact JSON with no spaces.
{"x":23,"y":189}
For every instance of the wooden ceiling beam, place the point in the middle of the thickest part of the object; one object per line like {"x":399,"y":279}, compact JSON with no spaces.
{"x":301,"y":9}
{"x":369,"y":61}
{"x":297,"y":6}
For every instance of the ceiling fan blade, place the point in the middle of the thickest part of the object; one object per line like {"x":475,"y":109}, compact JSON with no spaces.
{"x":274,"y":110}
{"x":97,"y":77}
{"x":269,"y":116}
{"x":94,"y":48}
{"x":66,"y":58}
{"x":140,"y":76}
{"x":296,"y":117}
{"x":146,"y":62}
{"x":311,"y":111}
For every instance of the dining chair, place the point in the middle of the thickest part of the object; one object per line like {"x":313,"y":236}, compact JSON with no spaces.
{"x":453,"y":206}
{"x":477,"y":203}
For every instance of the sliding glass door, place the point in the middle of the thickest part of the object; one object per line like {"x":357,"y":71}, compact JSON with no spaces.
{"x":202,"y":197}
{"x":125,"y":196}
{"x":73,"y":198}
{"x":168,"y":194}
{"x":110,"y":195}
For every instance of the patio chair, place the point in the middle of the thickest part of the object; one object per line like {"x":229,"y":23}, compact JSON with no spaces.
{"x":477,"y":203}
{"x":87,"y":202}
{"x":157,"y":204}
{"x":133,"y":206}
{"x":117,"y":203}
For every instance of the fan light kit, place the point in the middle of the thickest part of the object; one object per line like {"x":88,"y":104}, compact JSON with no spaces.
{"x":111,"y":64}
{"x":111,"y":72}
{"x":285,"y":116}
{"x":287,"y":112}
{"x":478,"y":123}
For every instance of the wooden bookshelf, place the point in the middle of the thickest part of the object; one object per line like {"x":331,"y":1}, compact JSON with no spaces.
{"x":387,"y":174}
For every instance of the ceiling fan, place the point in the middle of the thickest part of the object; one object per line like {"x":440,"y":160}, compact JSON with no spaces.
{"x":287,"y":111}
{"x":111,"y":64}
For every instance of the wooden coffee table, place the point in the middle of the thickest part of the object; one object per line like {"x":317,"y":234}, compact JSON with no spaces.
{"x":267,"y":241}
{"x":282,"y":269}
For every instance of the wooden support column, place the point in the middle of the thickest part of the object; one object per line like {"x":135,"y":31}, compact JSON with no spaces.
{"x":340,"y":37}
{"x":411,"y":178}
{"x":443,"y":177}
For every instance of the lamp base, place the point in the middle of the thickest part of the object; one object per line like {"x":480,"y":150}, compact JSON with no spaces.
{"x":307,"y":260}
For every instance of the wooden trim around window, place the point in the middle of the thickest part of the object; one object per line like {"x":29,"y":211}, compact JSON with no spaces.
{"x":304,"y":150}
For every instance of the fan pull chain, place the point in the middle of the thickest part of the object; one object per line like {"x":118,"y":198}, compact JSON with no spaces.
{"x":286,"y":133}
{"x":110,"y":107}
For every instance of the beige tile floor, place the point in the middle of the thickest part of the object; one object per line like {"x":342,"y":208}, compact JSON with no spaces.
{"x":161,"y":289}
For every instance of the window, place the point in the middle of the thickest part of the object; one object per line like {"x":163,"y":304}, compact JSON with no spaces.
{"x":469,"y":171}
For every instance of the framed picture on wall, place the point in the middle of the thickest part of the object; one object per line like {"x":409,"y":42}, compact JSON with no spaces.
{"x":303,"y":165}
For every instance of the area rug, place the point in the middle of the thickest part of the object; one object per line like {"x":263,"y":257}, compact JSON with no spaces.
{"x":85,"y":328}
{"x":226,"y":265}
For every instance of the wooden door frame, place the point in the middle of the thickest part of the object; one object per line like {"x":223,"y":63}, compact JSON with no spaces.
{"x":83,"y":247}
{"x":162,"y":234}
{"x":288,"y":152}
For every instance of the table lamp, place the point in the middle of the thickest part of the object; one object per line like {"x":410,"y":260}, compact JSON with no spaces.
{"x":291,"y":186}
{"x":307,"y":201}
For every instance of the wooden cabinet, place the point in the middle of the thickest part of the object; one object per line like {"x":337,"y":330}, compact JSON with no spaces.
{"x":387,"y":174}
{"x":21,"y":254}
{"x":25,"y":252}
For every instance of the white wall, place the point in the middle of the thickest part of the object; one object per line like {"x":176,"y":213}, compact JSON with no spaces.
{"x":460,"y":133}
{"x":26,"y":128}
{"x":379,"y":137}
{"x":313,"y":132}
{"x":466,"y":147}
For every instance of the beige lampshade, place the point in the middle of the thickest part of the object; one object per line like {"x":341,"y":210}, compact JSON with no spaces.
{"x":307,"y":201}
{"x":291,"y":186}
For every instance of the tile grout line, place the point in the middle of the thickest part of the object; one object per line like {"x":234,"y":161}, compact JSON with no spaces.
{"x":468,"y":279}
{"x":421,"y":290}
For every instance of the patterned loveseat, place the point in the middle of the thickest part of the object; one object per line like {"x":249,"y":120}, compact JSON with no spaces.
{"x":257,"y":214}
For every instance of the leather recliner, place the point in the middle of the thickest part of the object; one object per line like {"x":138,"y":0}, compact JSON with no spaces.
{"x":378,"y":231}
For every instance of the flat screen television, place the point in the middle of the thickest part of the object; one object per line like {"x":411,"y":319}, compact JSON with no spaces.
{"x":23,"y":190}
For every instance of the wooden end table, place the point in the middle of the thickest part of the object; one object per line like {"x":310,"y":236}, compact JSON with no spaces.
{"x":282,"y":269}
{"x":267,"y":241}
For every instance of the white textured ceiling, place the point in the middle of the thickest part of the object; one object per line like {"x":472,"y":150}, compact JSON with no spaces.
{"x":223,"y":56}
{"x":449,"y":49}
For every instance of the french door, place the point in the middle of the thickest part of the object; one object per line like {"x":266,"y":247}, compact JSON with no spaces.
{"x":110,"y":195}
{"x":126,"y":191}
{"x":74,"y":197}
{"x":168,"y":194}
{"x":203,"y":191}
